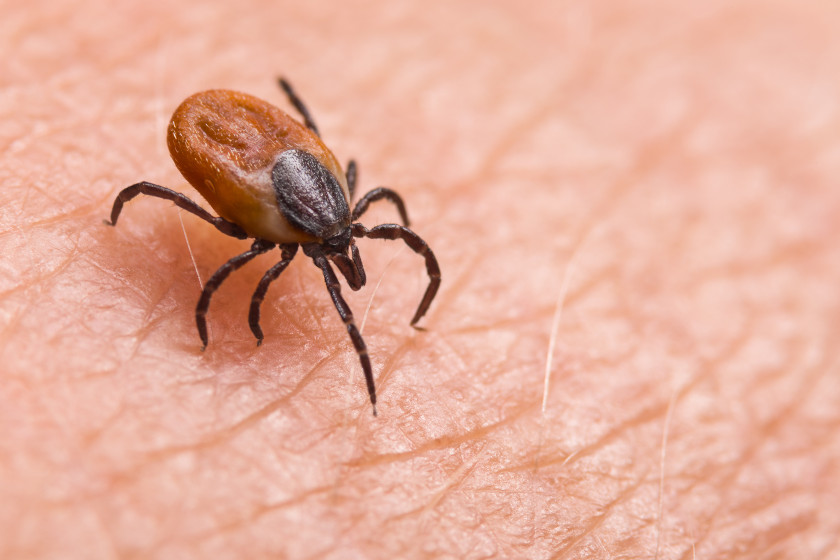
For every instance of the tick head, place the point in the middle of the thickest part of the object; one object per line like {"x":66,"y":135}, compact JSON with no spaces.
{"x":339,"y":243}
{"x":309,"y":196}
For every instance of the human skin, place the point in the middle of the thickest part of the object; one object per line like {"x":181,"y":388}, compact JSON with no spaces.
{"x":634,"y":352}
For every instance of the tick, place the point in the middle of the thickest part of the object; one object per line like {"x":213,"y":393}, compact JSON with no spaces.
{"x":272,"y":179}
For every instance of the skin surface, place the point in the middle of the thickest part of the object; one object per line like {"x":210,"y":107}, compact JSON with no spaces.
{"x":634,"y":352}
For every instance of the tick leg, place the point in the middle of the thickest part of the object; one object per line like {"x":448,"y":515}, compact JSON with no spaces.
{"x":379,"y":194}
{"x":357,"y":262}
{"x":394,"y":231}
{"x":352,"y":175}
{"x":317,"y":255}
{"x":352,"y":270}
{"x":289,"y":251}
{"x":257,"y":248}
{"x":295,"y":100}
{"x":150,"y":189}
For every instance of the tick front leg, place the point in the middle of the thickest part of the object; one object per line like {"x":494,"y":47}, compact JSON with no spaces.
{"x":257,"y":248}
{"x":416,"y":244}
{"x":314,"y":251}
{"x":150,"y":189}
{"x":289,"y":250}
{"x":379,"y":194}
{"x":351,"y":175}
{"x":296,"y":101}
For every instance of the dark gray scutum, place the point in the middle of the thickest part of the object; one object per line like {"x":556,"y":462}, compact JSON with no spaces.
{"x":308,"y":195}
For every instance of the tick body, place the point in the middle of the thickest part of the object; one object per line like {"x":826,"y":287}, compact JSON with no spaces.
{"x":272,"y":179}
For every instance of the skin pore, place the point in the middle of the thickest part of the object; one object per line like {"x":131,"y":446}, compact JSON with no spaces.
{"x":633,"y":354}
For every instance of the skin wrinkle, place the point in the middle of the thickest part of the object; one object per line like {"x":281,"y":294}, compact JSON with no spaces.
{"x":274,"y":313}
{"x":545,"y":312}
{"x":455,"y":480}
{"x":440,"y":443}
{"x":487,"y":170}
{"x":695,"y":139}
{"x":220,"y":436}
{"x":461,"y":363}
{"x":785,"y":255}
{"x":260,"y":512}
{"x":387,"y":368}
{"x":744,"y":460}
{"x":650,"y":415}
{"x":52,"y":274}
{"x":598,"y":520}
{"x":725,"y":508}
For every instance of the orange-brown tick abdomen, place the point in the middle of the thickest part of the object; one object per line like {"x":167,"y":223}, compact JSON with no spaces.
{"x":225,"y":143}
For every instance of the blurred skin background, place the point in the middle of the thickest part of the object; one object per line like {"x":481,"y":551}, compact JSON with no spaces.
{"x":634,"y":352}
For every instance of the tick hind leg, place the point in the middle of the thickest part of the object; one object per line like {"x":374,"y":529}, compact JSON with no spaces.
{"x":296,"y":101}
{"x":314,"y":251}
{"x":257,"y":248}
{"x":416,"y":244}
{"x":289,"y":250}
{"x":150,"y":189}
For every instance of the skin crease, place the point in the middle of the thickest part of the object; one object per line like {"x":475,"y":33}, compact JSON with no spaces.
{"x":645,"y":195}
